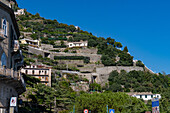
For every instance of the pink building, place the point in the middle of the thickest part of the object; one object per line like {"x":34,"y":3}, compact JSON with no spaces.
{"x":41,"y":72}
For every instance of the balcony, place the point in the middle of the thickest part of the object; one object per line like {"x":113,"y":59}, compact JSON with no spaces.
{"x":2,"y":37}
{"x":12,"y":78}
{"x":15,"y":46}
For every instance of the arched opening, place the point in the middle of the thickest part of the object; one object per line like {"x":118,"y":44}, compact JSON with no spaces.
{"x":4,"y":26}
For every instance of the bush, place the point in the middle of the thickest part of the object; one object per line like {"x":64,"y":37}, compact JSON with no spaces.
{"x":86,"y":59}
{"x":107,"y":61}
{"x":74,"y":52}
{"x":139,"y":63}
{"x":65,"y":50}
{"x":62,"y":46}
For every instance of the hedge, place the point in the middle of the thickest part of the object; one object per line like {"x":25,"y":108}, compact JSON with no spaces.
{"x":62,"y":46}
{"x":86,"y":59}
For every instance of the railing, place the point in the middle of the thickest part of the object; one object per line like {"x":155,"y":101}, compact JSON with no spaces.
{"x":10,"y":73}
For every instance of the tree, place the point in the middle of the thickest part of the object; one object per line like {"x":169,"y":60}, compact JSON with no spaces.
{"x":107,"y":61}
{"x":112,"y":42}
{"x":72,"y":28}
{"x":34,"y":36}
{"x":139,"y":63}
{"x":121,"y":102}
{"x":95,"y":87}
{"x":125,"y":59}
{"x":37,"y":15}
{"x":112,"y":75}
{"x":118,"y":45}
{"x":109,"y":40}
{"x":115,"y":87}
{"x":92,"y":43}
{"x":125,"y":49}
{"x":62,"y":43}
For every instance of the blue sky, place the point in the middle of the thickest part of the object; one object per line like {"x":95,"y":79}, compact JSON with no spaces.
{"x":141,"y":25}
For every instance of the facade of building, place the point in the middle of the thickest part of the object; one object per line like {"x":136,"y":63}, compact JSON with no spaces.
{"x":41,"y":72}
{"x":20,"y":12}
{"x":11,"y":59}
{"x":144,"y":95}
{"x":77,"y":44}
{"x":32,"y":43}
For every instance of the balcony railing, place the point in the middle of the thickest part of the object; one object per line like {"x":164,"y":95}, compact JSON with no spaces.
{"x":2,"y":37}
{"x":10,"y":73}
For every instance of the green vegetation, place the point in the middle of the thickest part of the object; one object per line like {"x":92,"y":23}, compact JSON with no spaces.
{"x":121,"y":102}
{"x":49,"y":31}
{"x":41,"y":98}
{"x":95,"y":87}
{"x":139,"y":81}
{"x":85,"y":59}
{"x":139,"y":63}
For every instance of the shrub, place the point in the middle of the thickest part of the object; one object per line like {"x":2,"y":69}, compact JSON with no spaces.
{"x":139,"y":63}
{"x":86,"y":59}
{"x":62,"y":46}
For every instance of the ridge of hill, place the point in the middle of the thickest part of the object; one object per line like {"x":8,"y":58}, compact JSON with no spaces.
{"x":57,"y":34}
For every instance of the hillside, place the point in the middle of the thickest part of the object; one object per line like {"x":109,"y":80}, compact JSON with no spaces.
{"x":96,"y":66}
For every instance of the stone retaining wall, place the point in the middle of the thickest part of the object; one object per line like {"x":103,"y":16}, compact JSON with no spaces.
{"x":109,"y":69}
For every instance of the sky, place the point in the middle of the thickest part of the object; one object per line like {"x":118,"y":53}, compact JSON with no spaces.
{"x":141,"y":25}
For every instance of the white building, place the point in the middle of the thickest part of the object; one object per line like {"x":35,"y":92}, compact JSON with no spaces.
{"x":78,"y":44}
{"x":144,"y":95}
{"x":20,"y":12}
{"x":41,"y":72}
{"x":32,"y":43}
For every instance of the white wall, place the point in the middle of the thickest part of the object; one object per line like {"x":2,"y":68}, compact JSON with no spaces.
{"x":149,"y":97}
{"x":77,"y":45}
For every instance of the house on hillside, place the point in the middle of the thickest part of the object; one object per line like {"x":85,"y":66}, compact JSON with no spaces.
{"x":38,"y":71}
{"x":144,"y":95}
{"x":32,"y":43}
{"x":78,"y":44}
{"x":20,"y":12}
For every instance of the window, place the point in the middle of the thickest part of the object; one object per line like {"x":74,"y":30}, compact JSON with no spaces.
{"x":151,"y":96}
{"x":140,"y":96}
{"x":33,"y":72}
{"x":145,"y":96}
{"x":4,"y":27}
{"x":26,"y":72}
